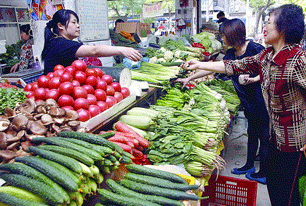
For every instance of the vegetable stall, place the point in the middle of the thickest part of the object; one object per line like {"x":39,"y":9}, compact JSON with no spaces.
{"x":79,"y":136}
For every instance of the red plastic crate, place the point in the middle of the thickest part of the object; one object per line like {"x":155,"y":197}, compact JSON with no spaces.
{"x":224,"y":191}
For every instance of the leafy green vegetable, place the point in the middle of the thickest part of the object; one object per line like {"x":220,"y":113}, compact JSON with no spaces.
{"x":9,"y":97}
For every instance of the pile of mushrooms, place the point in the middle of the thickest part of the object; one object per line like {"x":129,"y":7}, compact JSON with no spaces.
{"x":30,"y":119}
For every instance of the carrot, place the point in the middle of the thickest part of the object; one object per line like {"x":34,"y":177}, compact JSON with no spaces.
{"x":131,"y":144}
{"x":118,"y":138}
{"x":139,"y":147}
{"x":125,"y":147}
{"x":122,"y":127}
{"x":136,"y":153}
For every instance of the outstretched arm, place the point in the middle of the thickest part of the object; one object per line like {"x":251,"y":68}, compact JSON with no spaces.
{"x":217,"y":66}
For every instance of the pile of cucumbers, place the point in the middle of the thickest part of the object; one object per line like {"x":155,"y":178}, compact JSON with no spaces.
{"x":144,"y":186}
{"x":62,"y":170}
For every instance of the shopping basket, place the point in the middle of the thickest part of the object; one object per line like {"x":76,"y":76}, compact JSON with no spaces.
{"x":230,"y":191}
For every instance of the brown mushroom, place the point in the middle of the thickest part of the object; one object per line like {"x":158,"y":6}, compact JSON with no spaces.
{"x":7,"y":155}
{"x":20,"y":122}
{"x":26,"y":144}
{"x":4,"y":124}
{"x":15,"y":138}
{"x":3,"y":140}
{"x":9,"y":112}
{"x":51,"y":103}
{"x":56,"y":128}
{"x":74,"y":124}
{"x":82,"y":129}
{"x":13,"y":146}
{"x":65,"y":128}
{"x":59,"y":120}
{"x":22,"y":153}
{"x":38,"y":128}
{"x":27,"y":106}
{"x":46,"y":119}
{"x":30,"y":137}
{"x":57,"y":112}
{"x":40,"y":103}
{"x":41,"y":109}
{"x":71,"y":115}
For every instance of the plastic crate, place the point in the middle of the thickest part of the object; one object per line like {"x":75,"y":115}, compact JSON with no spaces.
{"x":224,"y":190}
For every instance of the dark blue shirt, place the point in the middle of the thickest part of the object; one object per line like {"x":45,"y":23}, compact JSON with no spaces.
{"x":60,"y":51}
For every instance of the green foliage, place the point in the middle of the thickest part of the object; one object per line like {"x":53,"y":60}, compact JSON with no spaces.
{"x":9,"y":97}
{"x":12,"y":54}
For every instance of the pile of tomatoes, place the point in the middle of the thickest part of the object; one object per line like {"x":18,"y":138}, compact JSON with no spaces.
{"x":76,"y":87}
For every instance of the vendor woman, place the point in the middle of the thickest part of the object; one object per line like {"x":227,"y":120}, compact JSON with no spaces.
{"x":60,"y":47}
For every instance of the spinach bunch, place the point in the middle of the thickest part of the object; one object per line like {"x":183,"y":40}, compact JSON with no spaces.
{"x":9,"y":97}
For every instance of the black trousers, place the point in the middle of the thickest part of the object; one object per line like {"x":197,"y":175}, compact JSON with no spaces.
{"x":283,"y":173}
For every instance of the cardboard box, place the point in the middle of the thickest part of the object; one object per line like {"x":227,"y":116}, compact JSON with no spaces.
{"x":134,"y":28}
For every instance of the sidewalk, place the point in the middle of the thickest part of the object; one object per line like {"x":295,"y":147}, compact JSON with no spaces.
{"x":235,"y":155}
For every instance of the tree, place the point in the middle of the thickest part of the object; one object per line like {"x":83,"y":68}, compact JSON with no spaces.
{"x":301,"y":3}
{"x":125,"y":8}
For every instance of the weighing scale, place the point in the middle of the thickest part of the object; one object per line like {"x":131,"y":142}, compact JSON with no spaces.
{"x":23,"y":77}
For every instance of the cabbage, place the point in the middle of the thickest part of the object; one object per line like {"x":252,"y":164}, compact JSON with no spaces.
{"x":206,"y":43}
{"x":216,"y":45}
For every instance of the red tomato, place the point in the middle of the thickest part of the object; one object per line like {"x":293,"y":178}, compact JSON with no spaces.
{"x":71,"y":70}
{"x":107,"y":78}
{"x":90,"y":72}
{"x":67,"y":108}
{"x":118,"y":96}
{"x":91,"y":80}
{"x":66,"y":88}
{"x":58,"y":67}
{"x":79,"y":65}
{"x":76,"y":83}
{"x":110,"y":91}
{"x":54,"y":83}
{"x":58,"y":73}
{"x":30,"y":94}
{"x":66,"y":77}
{"x":65,"y":100}
{"x":89,"y":89}
{"x":34,"y":86}
{"x":40,"y":93}
{"x":100,"y":94}
{"x":125,"y":92}
{"x":84,"y":115}
{"x":50,"y":75}
{"x":99,"y":72}
{"x":94,"y":110}
{"x":116,"y":86}
{"x":79,"y":92}
{"x":92,"y":99}
{"x":43,"y":81}
{"x":103,"y":105}
{"x":81,"y":103}
{"x":101,"y":84}
{"x":52,"y":94}
{"x":110,"y":101}
{"x":80,"y":77}
{"x":28,"y":87}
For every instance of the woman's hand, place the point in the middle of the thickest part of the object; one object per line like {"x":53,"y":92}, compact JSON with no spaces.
{"x":131,"y":54}
{"x":191,"y":64}
{"x":249,"y":80}
{"x":303,"y":149}
{"x":14,"y":68}
{"x":183,"y":80}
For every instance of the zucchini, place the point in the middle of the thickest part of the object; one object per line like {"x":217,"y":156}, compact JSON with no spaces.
{"x":21,"y":193}
{"x":54,"y":174}
{"x":25,"y":170}
{"x":138,"y":169}
{"x":70,"y":153}
{"x":119,"y":189}
{"x":92,"y":138}
{"x":63,"y":143}
{"x":145,"y":179}
{"x":15,"y":201}
{"x":159,"y":191}
{"x":61,"y":159}
{"x":123,"y":200}
{"x":41,"y":189}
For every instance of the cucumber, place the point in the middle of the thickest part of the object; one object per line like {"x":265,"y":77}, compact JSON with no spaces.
{"x":41,"y":189}
{"x":100,"y":149}
{"x":63,"y":143}
{"x":92,"y":138}
{"x":25,"y":170}
{"x":119,"y":189}
{"x":70,"y":153}
{"x":172,"y":63}
{"x":61,"y":159}
{"x":123,"y":200}
{"x":15,"y":201}
{"x":21,"y":193}
{"x":145,"y":179}
{"x":159,"y":191}
{"x":138,"y":169}
{"x":127,"y":154}
{"x":55,"y":175}
{"x":126,"y":160}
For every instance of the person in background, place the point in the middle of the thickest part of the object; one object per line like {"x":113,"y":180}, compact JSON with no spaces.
{"x":282,"y":69}
{"x":221,"y":17}
{"x":60,"y":47}
{"x":248,"y":89}
{"x":116,"y":22}
{"x":26,"y":55}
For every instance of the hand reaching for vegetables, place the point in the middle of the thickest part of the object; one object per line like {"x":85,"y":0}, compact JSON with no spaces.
{"x":183,"y":80}
{"x":131,"y":53}
{"x":191,"y":64}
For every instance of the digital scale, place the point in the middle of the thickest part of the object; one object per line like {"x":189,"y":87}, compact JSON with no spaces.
{"x":23,"y":77}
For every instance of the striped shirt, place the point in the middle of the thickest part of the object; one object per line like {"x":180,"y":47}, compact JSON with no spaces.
{"x":283,"y":84}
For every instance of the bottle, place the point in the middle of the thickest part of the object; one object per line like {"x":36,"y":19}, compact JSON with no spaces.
{"x":36,"y":65}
